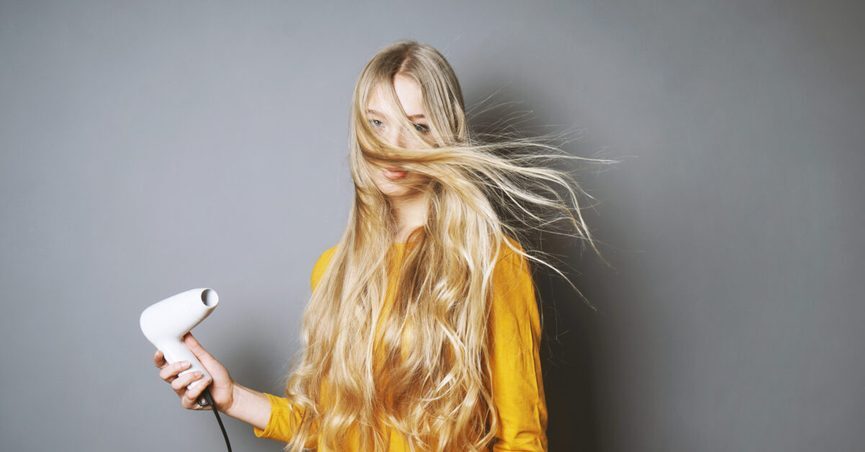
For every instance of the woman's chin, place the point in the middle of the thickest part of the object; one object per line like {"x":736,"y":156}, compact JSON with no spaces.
{"x":393,"y":190}
{"x":397,"y":188}
{"x":397,"y":192}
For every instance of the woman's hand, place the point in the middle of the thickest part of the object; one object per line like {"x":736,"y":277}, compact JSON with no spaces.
{"x":222,"y":388}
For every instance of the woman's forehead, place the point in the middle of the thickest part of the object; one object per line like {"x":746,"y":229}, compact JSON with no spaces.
{"x":409,"y":94}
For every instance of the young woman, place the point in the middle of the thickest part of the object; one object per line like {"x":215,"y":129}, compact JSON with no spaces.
{"x":422,"y":331}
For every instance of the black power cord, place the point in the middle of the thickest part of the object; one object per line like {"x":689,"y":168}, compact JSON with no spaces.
{"x":218,"y":419}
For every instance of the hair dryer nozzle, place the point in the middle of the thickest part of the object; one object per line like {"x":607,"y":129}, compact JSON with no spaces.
{"x":209,"y":298}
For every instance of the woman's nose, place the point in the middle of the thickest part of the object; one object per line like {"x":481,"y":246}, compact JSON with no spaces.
{"x":395,"y":137}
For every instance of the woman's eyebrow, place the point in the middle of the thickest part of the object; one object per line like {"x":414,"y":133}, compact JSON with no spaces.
{"x":417,"y":116}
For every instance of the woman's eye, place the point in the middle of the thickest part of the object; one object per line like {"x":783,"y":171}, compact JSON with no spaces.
{"x":422,"y":128}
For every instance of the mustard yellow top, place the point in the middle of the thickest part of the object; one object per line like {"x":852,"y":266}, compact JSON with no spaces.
{"x":518,"y":388}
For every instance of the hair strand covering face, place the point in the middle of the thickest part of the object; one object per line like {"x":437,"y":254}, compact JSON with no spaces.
{"x":436,"y":373}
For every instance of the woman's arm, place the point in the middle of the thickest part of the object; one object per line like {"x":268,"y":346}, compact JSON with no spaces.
{"x":271,"y":416}
{"x":249,"y":406}
{"x":515,"y":334}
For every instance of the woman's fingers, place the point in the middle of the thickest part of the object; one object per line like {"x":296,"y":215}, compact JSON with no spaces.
{"x":169,"y":371}
{"x":190,"y":385}
{"x":158,"y":359}
{"x":196,"y":348}
{"x":190,"y":399}
{"x":183,"y":381}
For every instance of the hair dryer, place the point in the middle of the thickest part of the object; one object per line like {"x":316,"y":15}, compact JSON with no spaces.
{"x":166,"y":322}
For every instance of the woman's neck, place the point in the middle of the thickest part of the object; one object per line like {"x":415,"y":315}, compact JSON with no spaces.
{"x":410,"y":213}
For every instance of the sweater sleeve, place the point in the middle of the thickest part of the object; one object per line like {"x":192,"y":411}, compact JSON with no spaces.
{"x":285,"y":417}
{"x":515,"y":334}
{"x":283,"y":422}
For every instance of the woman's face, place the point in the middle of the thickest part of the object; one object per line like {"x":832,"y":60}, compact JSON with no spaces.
{"x":382,"y":118}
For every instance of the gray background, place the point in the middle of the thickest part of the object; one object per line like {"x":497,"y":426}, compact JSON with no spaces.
{"x":151,"y":147}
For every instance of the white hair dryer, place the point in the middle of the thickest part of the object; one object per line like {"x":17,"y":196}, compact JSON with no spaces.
{"x":166,"y":322}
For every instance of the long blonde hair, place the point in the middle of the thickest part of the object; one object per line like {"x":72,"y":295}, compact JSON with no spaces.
{"x":435,"y":386}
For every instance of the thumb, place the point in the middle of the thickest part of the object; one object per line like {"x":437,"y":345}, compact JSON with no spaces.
{"x":199,"y":351}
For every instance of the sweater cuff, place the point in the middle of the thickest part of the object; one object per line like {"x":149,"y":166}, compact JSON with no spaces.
{"x":271,"y":425}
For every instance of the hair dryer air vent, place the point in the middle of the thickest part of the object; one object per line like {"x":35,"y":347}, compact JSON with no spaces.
{"x":209,"y":298}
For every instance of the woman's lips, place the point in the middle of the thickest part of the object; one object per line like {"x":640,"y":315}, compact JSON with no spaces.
{"x":394,"y":173}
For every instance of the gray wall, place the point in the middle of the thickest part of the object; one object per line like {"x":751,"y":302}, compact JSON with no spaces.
{"x":151,"y":147}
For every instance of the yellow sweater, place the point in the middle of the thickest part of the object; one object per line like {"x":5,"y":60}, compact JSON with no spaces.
{"x":518,"y":390}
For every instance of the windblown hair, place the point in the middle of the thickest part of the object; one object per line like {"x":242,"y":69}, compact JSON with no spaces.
{"x":434,"y":387}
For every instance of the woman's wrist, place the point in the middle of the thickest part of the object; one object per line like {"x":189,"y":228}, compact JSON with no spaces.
{"x":249,"y":406}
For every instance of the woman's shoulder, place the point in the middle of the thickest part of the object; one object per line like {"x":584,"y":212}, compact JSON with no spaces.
{"x":325,"y":255}
{"x":512,"y":268}
{"x":511,"y":254}
{"x":321,"y":265}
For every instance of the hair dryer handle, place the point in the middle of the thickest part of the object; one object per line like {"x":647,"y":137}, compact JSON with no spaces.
{"x":177,"y":351}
